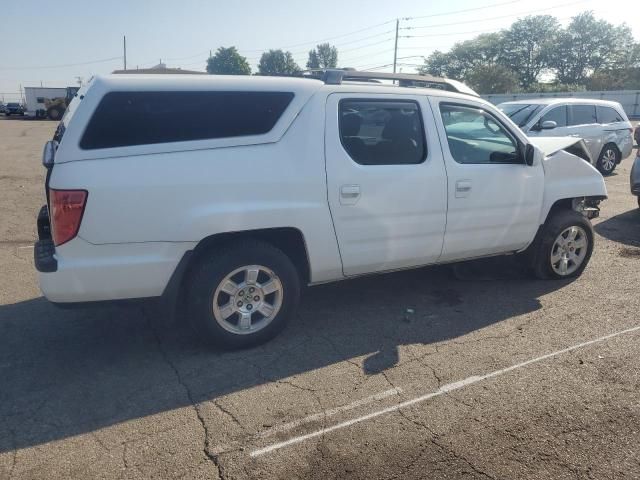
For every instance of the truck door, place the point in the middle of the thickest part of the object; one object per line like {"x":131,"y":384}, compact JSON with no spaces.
{"x":386,"y":181}
{"x":494,"y":196}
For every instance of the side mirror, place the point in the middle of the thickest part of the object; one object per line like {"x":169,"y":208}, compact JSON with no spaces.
{"x":548,"y":125}
{"x":529,"y":153}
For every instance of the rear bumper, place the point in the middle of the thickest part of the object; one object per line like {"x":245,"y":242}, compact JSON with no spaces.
{"x":79,"y":271}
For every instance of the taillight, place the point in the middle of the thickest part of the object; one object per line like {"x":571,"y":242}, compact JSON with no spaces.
{"x":66,"y":209}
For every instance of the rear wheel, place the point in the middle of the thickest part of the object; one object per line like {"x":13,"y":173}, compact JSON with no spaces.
{"x":609,"y":158}
{"x":563,"y":247}
{"x":243,"y":295}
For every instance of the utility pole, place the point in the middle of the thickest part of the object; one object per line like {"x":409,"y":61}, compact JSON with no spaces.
{"x":395,"y":48}
{"x":124,"y":45}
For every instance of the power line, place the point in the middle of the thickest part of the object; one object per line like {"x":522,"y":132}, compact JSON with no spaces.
{"x":494,"y":18}
{"x":64,"y":65}
{"x":463,"y":10}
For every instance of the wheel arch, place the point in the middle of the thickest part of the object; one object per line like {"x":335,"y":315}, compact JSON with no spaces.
{"x":571,"y":203}
{"x":288,"y":239}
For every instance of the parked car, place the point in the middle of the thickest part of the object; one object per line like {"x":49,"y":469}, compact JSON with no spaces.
{"x":603,"y":125}
{"x":635,"y":177}
{"x":636,"y":135}
{"x":3,"y":108}
{"x":228,"y":194}
{"x":13,"y":109}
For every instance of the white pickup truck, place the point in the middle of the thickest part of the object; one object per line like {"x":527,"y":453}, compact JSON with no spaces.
{"x":226,"y":194}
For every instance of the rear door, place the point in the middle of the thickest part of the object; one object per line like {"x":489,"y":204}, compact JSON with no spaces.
{"x":583,"y":123}
{"x":386,"y":181}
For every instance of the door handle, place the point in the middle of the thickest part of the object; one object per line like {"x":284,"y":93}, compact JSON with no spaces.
{"x":349,"y":194}
{"x":463,"y":187}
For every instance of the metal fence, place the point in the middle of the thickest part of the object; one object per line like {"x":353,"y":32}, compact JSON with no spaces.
{"x":629,"y":99}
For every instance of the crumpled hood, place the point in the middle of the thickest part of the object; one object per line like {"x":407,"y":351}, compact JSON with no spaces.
{"x":551,"y":145}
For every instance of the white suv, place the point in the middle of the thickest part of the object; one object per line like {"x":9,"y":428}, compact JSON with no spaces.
{"x":227,"y":194}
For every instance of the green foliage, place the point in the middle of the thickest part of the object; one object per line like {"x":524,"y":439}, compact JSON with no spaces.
{"x":492,"y":78}
{"x":227,"y":61}
{"x":584,"y":54}
{"x":277,"y":62}
{"x":588,"y":45}
{"x":323,"y":56}
{"x":619,"y":79}
{"x":527,"y":46}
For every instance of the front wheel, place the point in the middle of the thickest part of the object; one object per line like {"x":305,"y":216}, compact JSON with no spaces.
{"x":563,"y":247}
{"x":243,"y":295}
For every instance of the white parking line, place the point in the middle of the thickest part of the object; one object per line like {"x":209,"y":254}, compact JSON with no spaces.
{"x":441,"y":391}
{"x":25,"y":247}
{"x":328,"y":413}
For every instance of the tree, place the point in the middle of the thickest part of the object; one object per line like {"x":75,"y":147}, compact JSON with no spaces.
{"x":589,"y":45}
{"x":323,"y":56}
{"x":527,"y":47}
{"x":227,"y":61}
{"x":277,"y":62}
{"x":492,"y":78}
{"x":464,"y":57}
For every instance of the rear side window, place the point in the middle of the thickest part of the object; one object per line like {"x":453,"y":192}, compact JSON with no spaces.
{"x":382,"y":132}
{"x":558,"y":115}
{"x":608,"y":115}
{"x":582,"y":114}
{"x":124,"y":119}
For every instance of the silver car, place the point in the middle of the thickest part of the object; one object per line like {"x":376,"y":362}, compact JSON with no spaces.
{"x":602,"y":125}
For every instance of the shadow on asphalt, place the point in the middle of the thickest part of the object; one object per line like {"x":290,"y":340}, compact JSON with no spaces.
{"x":623,"y":228}
{"x":68,"y":372}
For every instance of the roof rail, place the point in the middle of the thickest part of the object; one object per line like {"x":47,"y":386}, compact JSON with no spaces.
{"x":336,"y":76}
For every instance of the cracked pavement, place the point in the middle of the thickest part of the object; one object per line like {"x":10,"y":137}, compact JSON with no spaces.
{"x":108,"y":392}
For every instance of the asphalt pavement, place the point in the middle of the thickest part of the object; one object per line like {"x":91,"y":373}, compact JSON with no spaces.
{"x":472,"y":371}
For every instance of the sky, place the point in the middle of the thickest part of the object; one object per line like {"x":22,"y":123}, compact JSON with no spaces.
{"x":53,"y":43}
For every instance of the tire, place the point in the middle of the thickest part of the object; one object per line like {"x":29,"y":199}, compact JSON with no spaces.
{"x":54,"y":113}
{"x":217,"y":315}
{"x":577,"y":249}
{"x":608,"y":159}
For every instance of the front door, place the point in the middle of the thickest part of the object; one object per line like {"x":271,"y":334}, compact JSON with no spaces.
{"x":386,"y":181}
{"x":494,"y":197}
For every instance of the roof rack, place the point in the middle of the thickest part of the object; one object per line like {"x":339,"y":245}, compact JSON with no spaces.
{"x":337,"y":76}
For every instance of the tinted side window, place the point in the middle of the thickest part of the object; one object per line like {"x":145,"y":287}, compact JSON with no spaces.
{"x":582,"y":114}
{"x":140,"y":118}
{"x":608,"y":115}
{"x":558,"y":115}
{"x":379,"y":132}
{"x":475,"y":136}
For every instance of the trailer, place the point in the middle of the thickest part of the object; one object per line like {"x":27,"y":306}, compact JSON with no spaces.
{"x":45,"y":102}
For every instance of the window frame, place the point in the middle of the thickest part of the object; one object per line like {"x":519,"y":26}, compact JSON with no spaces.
{"x":570,"y":106}
{"x":519,"y":145}
{"x":165,"y":145}
{"x":425,"y":153}
{"x":603,"y":107}
{"x":554,"y":107}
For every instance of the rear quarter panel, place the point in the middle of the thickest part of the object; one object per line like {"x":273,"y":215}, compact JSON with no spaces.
{"x":185,"y":196}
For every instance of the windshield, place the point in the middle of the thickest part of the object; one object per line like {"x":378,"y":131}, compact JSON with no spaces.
{"x":520,"y":113}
